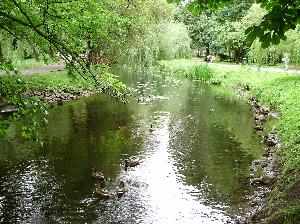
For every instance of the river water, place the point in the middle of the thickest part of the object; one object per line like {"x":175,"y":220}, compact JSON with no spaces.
{"x":194,"y":162}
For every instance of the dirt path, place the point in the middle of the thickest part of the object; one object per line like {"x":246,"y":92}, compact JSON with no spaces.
{"x":264,"y":69}
{"x":44,"y":69}
{"x":275,"y":70}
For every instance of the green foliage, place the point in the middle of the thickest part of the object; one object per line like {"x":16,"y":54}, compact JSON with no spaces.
{"x":21,"y":107}
{"x":169,"y":40}
{"x":274,"y":53}
{"x":103,"y":31}
{"x":203,"y":30}
{"x":281,"y":16}
{"x":210,"y":32}
{"x":173,"y":41}
{"x":83,"y":33}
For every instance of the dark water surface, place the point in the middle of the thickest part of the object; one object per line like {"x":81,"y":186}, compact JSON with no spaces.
{"x":194,"y":165}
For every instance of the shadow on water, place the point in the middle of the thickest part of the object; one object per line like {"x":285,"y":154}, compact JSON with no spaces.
{"x":194,"y":159}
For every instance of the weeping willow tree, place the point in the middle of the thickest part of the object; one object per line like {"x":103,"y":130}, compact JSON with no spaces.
{"x":168,"y":40}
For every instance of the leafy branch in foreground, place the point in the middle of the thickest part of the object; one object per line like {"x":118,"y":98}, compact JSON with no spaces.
{"x":17,"y":106}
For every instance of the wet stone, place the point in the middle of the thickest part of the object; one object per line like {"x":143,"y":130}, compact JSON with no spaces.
{"x":267,"y":179}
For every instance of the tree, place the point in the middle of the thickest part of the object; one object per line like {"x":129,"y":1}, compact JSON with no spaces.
{"x":221,"y":31}
{"x":203,"y":31}
{"x":282,"y":16}
{"x":232,"y":34}
{"x":100,"y":30}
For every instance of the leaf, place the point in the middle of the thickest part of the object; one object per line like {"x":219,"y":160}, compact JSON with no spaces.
{"x":249,"y":29}
{"x":265,"y":44}
{"x":259,"y":31}
{"x":283,"y":37}
{"x":251,"y":36}
{"x":275,"y":39}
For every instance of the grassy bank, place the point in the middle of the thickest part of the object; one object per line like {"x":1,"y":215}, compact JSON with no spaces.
{"x":22,"y":98}
{"x":280,"y":91}
{"x":60,"y":81}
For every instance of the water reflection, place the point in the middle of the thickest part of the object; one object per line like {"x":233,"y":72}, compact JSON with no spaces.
{"x":194,"y":165}
{"x":168,"y":199}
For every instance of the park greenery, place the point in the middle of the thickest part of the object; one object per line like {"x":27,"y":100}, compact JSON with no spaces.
{"x":91,"y":36}
{"x":280,"y":17}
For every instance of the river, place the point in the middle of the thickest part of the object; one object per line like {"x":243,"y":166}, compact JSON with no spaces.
{"x":194,"y":160}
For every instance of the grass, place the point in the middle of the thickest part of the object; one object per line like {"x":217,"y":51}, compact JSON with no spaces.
{"x":188,"y":68}
{"x":282,"y":92}
{"x":61,"y":81}
{"x":57,"y":81}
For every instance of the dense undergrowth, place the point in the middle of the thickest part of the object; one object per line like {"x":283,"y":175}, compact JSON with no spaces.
{"x":281,"y":92}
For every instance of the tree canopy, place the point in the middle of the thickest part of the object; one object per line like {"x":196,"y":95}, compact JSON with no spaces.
{"x":281,"y":16}
{"x":89,"y":36}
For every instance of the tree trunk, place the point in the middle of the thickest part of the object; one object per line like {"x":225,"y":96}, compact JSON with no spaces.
{"x":206,"y":53}
{"x":1,"y":54}
{"x":14,"y":44}
{"x":35,"y":53}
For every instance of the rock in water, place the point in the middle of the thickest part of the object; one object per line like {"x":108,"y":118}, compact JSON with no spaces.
{"x":267,"y":179}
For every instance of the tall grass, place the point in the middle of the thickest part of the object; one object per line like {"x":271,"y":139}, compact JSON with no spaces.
{"x":187,"y":68}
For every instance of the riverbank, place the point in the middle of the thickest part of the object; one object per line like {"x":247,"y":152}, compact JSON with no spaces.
{"x":58,"y":87}
{"x":280,"y":92}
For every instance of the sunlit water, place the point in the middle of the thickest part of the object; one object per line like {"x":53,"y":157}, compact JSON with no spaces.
{"x":194,"y":161}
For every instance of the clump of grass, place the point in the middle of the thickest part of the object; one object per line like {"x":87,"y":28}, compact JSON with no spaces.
{"x":187,"y":68}
{"x":203,"y":72}
{"x":289,"y":215}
